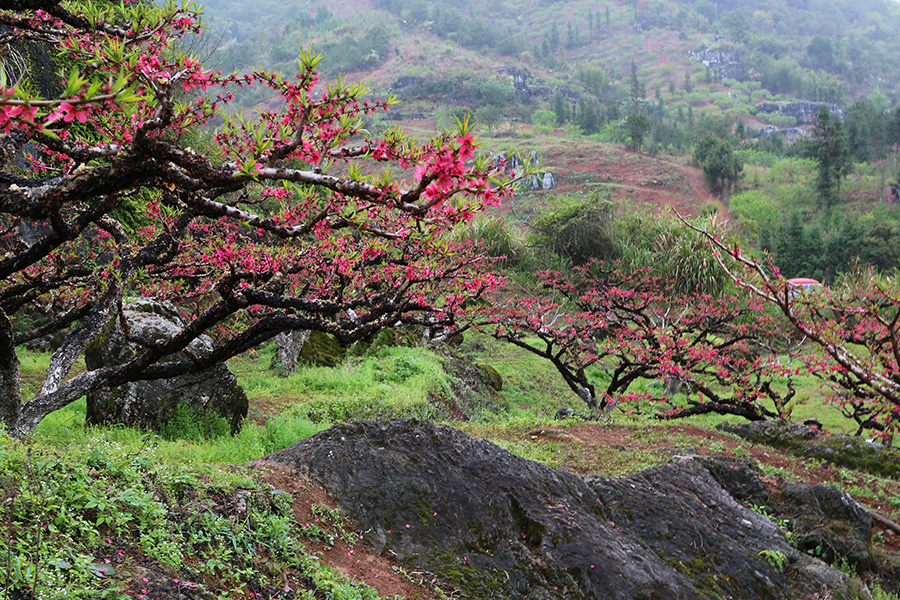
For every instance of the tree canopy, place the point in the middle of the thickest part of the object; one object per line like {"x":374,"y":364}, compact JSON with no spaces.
{"x":290,"y":219}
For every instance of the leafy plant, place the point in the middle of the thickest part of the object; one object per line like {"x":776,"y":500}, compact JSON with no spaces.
{"x":775,"y":557}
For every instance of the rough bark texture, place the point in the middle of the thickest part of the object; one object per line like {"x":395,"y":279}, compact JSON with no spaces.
{"x":148,"y":404}
{"x":289,"y":344}
{"x":10,"y":398}
{"x":499,"y":526}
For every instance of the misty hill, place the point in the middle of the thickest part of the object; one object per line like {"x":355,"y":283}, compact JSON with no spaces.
{"x":834,"y":51}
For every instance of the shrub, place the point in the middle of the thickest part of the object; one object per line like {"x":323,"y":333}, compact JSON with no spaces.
{"x":579,"y":229}
{"x":496,"y":235}
{"x":544,"y":117}
{"x":186,"y":424}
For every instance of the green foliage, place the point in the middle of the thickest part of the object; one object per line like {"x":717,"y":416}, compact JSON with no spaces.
{"x":355,"y":52}
{"x":827,"y":248}
{"x":489,"y":116}
{"x":775,"y":557}
{"x":779,"y":120}
{"x":449,"y":116}
{"x":866,"y":130}
{"x":637,"y":124}
{"x":721,"y":166}
{"x":593,"y":77}
{"x":753,"y":209}
{"x":186,"y":424}
{"x":579,"y":229}
{"x":66,"y":426}
{"x":496,"y":92}
{"x":397,"y":370}
{"x":832,"y":155}
{"x":820,"y":52}
{"x":79,"y":520}
{"x":543,"y":117}
{"x":497,"y":236}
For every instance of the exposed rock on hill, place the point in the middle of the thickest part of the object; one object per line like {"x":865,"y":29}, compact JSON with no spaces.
{"x":514,"y":164}
{"x":838,"y":449}
{"x":727,"y":63}
{"x":804,"y":112}
{"x":498,"y":526}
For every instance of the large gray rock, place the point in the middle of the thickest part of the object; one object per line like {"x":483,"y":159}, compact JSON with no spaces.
{"x":824,"y":521}
{"x":149,"y":404}
{"x":498,"y":526}
{"x":288,"y":345}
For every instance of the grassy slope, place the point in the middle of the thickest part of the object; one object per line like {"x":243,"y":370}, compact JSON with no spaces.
{"x":660,"y":52}
{"x":144,"y":507}
{"x":582,"y":165}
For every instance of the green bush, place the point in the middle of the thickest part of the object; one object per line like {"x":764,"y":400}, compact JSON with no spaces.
{"x":498,"y":238}
{"x":579,"y":229}
{"x":398,"y":370}
{"x":544,"y":117}
{"x":186,"y":424}
{"x":778,"y":120}
{"x":754,"y":205}
{"x":495,"y":92}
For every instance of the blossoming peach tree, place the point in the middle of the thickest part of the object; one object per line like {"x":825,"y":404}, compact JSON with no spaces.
{"x":853,"y":333}
{"x":606,"y":329}
{"x":291,"y":219}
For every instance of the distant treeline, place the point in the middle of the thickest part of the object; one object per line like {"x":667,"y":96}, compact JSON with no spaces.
{"x":448,"y":20}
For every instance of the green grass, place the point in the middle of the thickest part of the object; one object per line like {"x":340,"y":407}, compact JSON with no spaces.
{"x":129,"y":477}
{"x":107,"y":513}
{"x":66,"y":427}
{"x":396,"y":381}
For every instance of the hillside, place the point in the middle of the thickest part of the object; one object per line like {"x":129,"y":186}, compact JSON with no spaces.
{"x":437,"y":390}
{"x":150,"y":517}
{"x":820,"y":50}
{"x":579,"y":68}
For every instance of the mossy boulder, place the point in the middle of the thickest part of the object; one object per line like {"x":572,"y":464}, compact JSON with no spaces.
{"x":149,"y":404}
{"x":390,"y":338}
{"x":492,"y":377}
{"x":471,"y":389}
{"x":828,"y":523}
{"x":321,"y":350}
{"x":810,"y":442}
{"x":499,"y":526}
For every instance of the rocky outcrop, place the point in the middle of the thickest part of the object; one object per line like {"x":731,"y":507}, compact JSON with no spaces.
{"x":498,"y":526}
{"x":513,"y":164}
{"x":811,"y":442}
{"x":789,"y":134}
{"x":828,"y":523}
{"x":149,"y":404}
{"x":725,"y":63}
{"x":823,"y":520}
{"x":804,"y":112}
